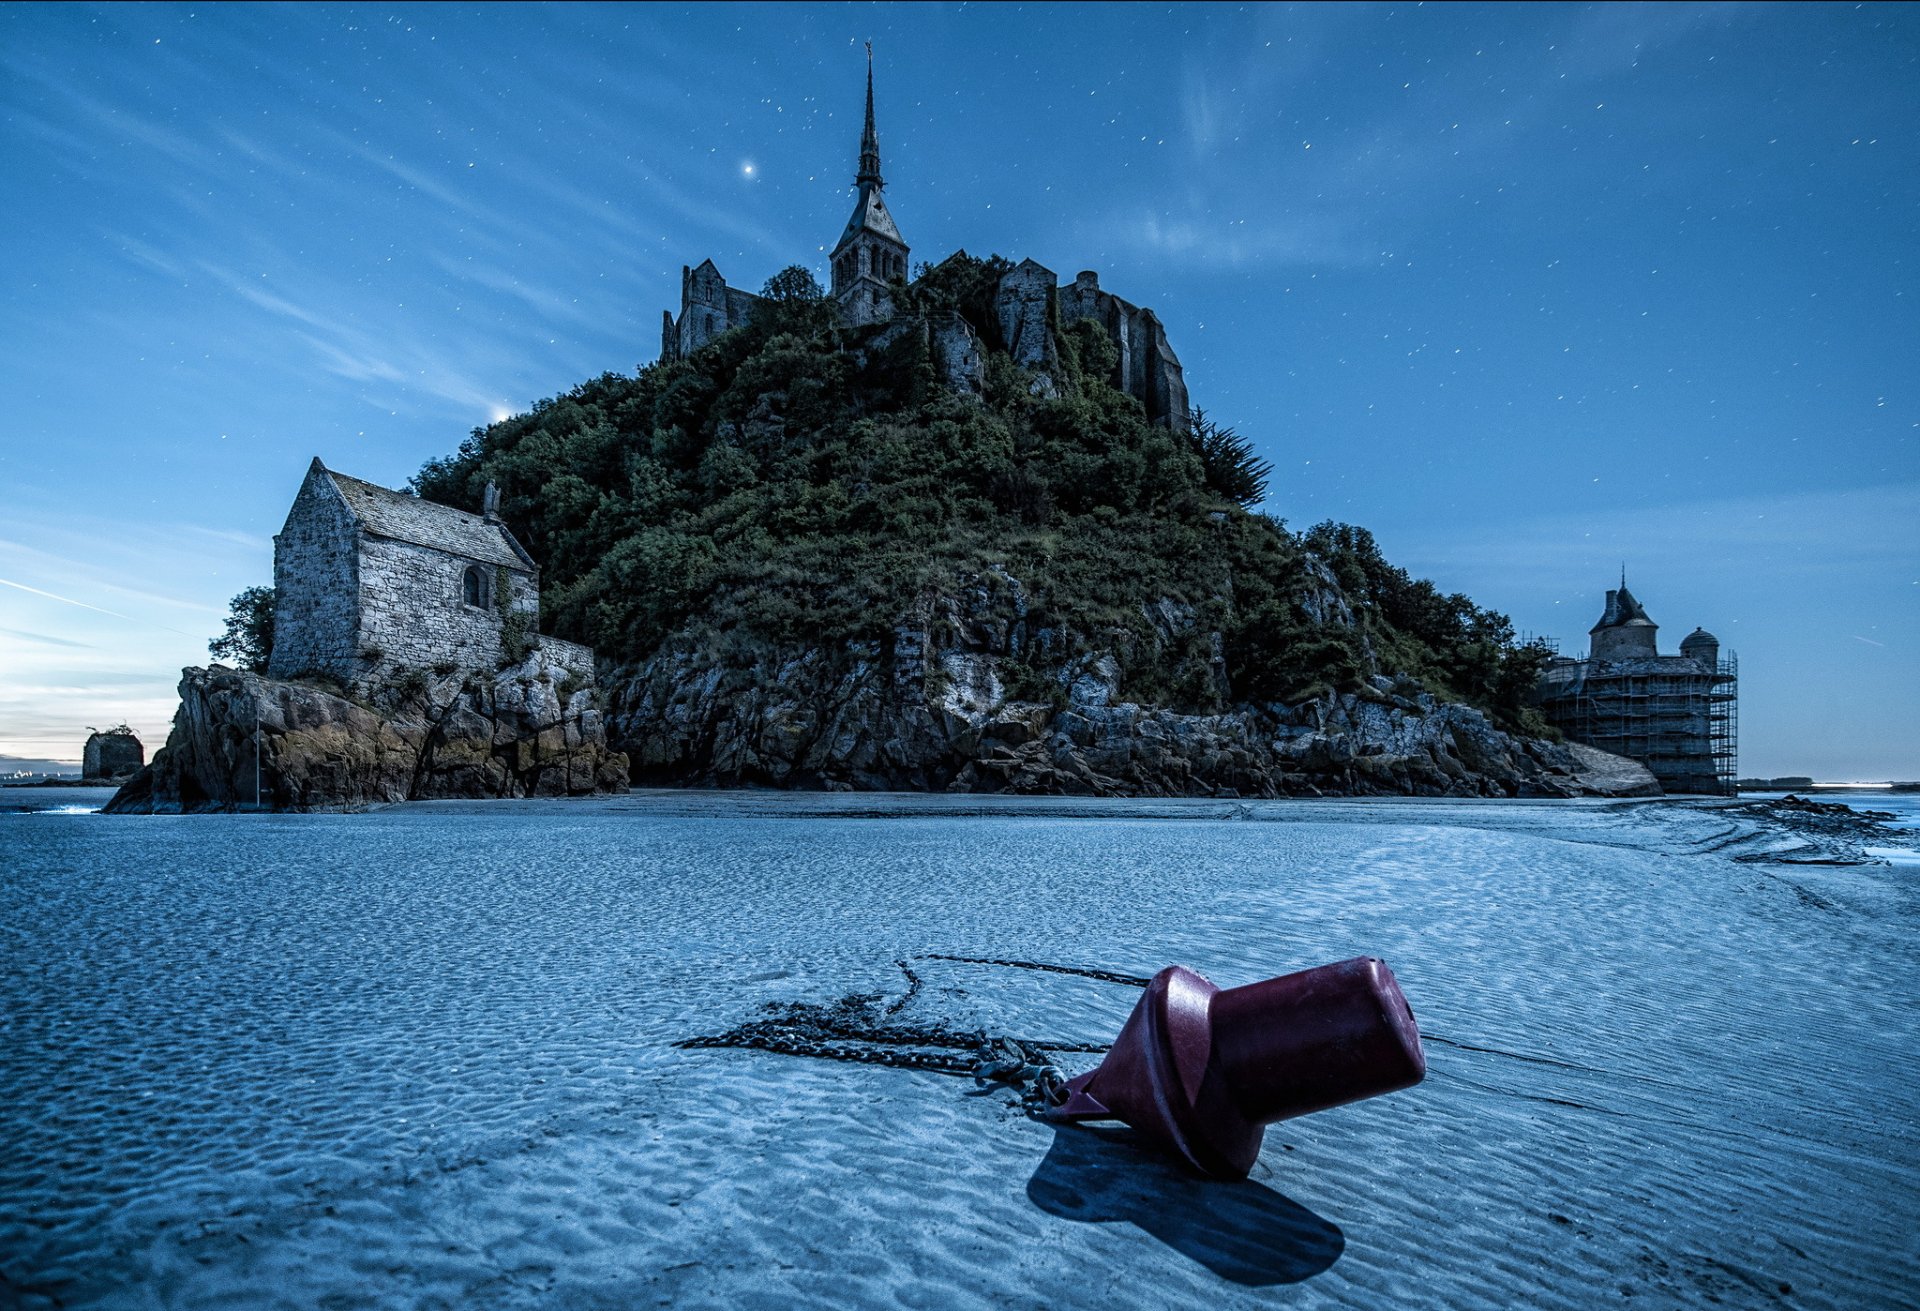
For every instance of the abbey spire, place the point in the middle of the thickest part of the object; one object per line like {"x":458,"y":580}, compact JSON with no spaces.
{"x":870,"y":140}
{"x":870,"y":253}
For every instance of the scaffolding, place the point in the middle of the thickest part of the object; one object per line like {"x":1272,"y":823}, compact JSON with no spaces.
{"x":1677,"y":716}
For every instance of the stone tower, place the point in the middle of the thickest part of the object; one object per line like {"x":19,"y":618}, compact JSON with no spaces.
{"x":1677,"y":715}
{"x":871,"y":252}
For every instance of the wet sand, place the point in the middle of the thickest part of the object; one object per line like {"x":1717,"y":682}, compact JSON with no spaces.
{"x":424,"y":1057}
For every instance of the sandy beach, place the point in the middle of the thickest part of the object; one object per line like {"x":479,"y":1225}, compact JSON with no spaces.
{"x":425,"y":1057}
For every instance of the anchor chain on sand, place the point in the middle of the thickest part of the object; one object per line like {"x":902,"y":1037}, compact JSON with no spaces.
{"x":857,"y":1030}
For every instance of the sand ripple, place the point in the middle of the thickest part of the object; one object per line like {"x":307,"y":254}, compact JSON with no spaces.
{"x":423,"y":1057}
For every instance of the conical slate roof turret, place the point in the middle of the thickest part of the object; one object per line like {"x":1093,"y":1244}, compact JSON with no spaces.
{"x":1622,"y":608}
{"x":1624,"y":632}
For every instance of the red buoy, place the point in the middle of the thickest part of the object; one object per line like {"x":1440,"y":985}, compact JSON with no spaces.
{"x":1201,"y":1072}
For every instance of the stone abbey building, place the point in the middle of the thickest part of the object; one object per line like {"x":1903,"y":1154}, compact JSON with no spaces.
{"x":368,"y":582}
{"x":1675,"y":714}
{"x":870,"y":258}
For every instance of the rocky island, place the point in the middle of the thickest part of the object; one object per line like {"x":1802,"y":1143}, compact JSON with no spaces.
{"x":959,"y":530}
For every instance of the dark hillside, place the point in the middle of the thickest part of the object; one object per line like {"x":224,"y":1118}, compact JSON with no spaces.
{"x":799,"y":483}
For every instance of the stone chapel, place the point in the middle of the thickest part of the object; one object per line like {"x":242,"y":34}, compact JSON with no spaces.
{"x":368,"y":582}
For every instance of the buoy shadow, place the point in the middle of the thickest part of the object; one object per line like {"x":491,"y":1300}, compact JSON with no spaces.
{"x":1244,"y":1232}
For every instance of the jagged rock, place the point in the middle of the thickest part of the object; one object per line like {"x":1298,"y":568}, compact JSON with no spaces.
{"x":529,"y":730}
{"x":933,"y":709}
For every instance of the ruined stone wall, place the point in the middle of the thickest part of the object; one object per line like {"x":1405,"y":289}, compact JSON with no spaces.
{"x":957,"y":355}
{"x":1025,"y":306}
{"x":708,"y":307}
{"x":414,"y":613}
{"x":1149,"y":370}
{"x":570,"y":657}
{"x":316,"y":586}
{"x":1164,"y":386}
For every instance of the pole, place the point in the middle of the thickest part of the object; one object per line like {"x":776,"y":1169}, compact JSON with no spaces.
{"x":256,"y":754}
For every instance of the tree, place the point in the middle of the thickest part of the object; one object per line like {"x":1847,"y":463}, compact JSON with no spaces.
{"x":792,"y":301}
{"x":793,"y":285}
{"x":248,"y":641}
{"x":1232,"y":468}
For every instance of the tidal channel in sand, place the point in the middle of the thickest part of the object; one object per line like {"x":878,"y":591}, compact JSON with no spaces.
{"x":425,"y":1057}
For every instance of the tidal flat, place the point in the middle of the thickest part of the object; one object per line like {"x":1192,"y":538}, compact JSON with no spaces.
{"x":425,"y":1057}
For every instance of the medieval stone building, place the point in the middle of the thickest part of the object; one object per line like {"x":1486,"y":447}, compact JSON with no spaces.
{"x":1675,"y":714}
{"x":370,"y":582}
{"x":871,"y":257}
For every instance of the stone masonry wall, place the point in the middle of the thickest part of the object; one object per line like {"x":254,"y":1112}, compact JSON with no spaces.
{"x":1025,"y":306}
{"x":1149,"y":370}
{"x":316,"y":611}
{"x":708,"y":307}
{"x":414,"y":612}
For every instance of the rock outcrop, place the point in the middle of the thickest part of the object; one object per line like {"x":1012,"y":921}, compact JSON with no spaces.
{"x":930,"y":708}
{"x":111,"y":756}
{"x":530,"y":730}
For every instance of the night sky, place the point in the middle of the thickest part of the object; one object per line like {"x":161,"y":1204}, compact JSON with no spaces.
{"x":1532,"y":292}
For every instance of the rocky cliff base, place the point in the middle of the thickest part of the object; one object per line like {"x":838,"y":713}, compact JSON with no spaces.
{"x":860,"y":718}
{"x":530,"y":730}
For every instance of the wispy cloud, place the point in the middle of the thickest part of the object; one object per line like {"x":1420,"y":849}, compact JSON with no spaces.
{"x":1606,"y":39}
{"x":391,"y":355}
{"x":64,"y":570}
{"x":98,"y":615}
{"x":46,"y":639}
{"x":1241,"y":243}
{"x":67,"y":600}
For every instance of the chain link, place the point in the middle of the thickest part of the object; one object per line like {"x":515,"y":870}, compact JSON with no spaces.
{"x":1024,"y":1066}
{"x":1105,"y":976}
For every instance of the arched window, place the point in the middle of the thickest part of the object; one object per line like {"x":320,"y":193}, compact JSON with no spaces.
{"x":476,"y":587}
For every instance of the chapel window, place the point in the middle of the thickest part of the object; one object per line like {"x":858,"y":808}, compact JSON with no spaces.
{"x":476,"y":587}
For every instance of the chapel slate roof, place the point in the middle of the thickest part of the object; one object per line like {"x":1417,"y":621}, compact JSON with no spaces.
{"x":405,"y":518}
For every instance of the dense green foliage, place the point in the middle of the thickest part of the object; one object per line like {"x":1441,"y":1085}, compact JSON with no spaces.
{"x":1444,"y":640}
{"x":247,"y":642}
{"x":799,"y":481}
{"x":1228,"y":462}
